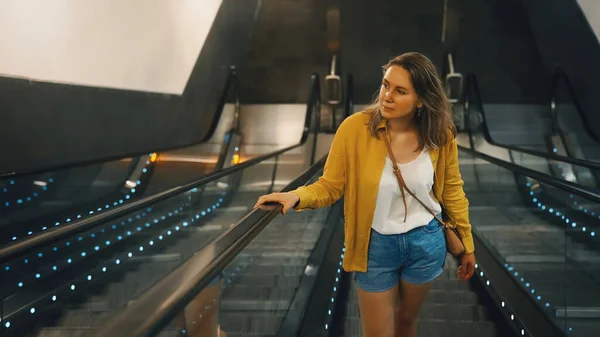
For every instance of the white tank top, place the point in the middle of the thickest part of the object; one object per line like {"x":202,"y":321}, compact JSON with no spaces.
{"x":389,"y":209}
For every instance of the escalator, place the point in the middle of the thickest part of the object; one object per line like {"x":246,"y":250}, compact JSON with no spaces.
{"x":281,"y":276}
{"x":33,"y":201}
{"x":69,"y":280}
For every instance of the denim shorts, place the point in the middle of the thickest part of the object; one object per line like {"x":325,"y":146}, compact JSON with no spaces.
{"x":417,"y":257}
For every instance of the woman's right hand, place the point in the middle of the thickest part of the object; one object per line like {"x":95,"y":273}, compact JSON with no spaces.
{"x":288,"y":200}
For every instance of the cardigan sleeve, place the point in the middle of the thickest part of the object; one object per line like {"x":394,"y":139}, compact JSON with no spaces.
{"x":454,"y":198}
{"x":329,"y":187}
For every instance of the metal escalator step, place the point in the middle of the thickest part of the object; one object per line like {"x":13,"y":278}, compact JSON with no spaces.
{"x":438,"y":311}
{"x":270,"y":270}
{"x":435,"y":328}
{"x":250,"y":323}
{"x":440,"y":296}
{"x":254,"y":305}
{"x":63,"y":332}
{"x":270,"y":281}
{"x":241,"y":293}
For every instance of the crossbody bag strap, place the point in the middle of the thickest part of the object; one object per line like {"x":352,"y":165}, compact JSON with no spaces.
{"x":403,"y":184}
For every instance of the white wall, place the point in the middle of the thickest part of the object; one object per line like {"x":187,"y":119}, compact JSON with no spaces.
{"x":591,"y":9}
{"x":147,"y":45}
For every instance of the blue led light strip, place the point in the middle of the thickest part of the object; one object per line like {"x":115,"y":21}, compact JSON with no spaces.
{"x":121,"y":258}
{"x":95,"y":210}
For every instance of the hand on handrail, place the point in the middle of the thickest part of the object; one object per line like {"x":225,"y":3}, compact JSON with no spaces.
{"x":271,"y":201}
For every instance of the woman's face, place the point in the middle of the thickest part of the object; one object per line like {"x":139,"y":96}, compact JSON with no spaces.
{"x":397,"y":97}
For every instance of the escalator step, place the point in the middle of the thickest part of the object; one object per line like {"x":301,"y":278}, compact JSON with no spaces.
{"x":436,"y":328}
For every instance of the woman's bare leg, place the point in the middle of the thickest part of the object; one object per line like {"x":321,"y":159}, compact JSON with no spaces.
{"x":377,"y":312}
{"x":412,"y":297}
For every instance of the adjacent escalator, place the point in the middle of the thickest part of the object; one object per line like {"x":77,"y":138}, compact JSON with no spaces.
{"x":70,"y":280}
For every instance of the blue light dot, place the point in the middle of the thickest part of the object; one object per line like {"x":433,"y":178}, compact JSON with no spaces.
{"x":35,"y":195}
{"x":7,"y":204}
{"x":593,"y":233}
{"x":139,"y":229}
{"x":19,"y":201}
{"x":32,"y":310}
{"x":168,"y":232}
{"x":547,"y":305}
{"x":7,"y":324}
{"x":104,"y":269}
{"x":151,"y":243}
{"x":574,"y":224}
{"x":539,"y":297}
{"x":133,"y":190}
{"x":97,"y":248}
{"x":29,"y":233}
{"x":139,"y":182}
{"x":14,"y":238}
{"x":7,"y":268}
{"x":120,"y":201}
{"x":130,"y":255}
{"x":72,"y":287}
{"x":20,"y":284}
{"x":141,"y":248}
{"x":51,"y":180}
{"x":107,"y":206}
{"x":54,"y":298}
{"x":107,"y":243}
{"x":26,"y":261}
{"x":40,"y":254}
{"x":583,"y":229}
{"x":54,"y":268}
{"x":38,"y":275}
{"x":69,"y":261}
{"x":118,"y":261}
{"x":120,"y":237}
{"x":89,"y":277}
{"x":68,"y":219}
{"x":144,"y":170}
{"x":160,"y":237}
{"x":127,"y":197}
{"x":12,"y":182}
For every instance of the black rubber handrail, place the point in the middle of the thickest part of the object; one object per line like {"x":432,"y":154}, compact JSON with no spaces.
{"x":544,"y":178}
{"x":57,"y":234}
{"x":558,"y":77}
{"x":472,"y":96}
{"x":231,"y":83}
{"x":149,"y":314}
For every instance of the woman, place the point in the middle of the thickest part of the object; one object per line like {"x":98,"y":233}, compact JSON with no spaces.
{"x":393,"y":243}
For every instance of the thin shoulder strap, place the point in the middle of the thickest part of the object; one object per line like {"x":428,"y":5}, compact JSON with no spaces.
{"x":401,"y":180}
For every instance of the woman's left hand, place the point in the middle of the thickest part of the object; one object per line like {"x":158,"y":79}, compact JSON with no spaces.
{"x":467,"y":267}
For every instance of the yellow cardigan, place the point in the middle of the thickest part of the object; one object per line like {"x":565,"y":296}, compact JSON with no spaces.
{"x":354,"y":167}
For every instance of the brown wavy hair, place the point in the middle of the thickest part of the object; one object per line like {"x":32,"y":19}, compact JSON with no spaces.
{"x":435,"y":126}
